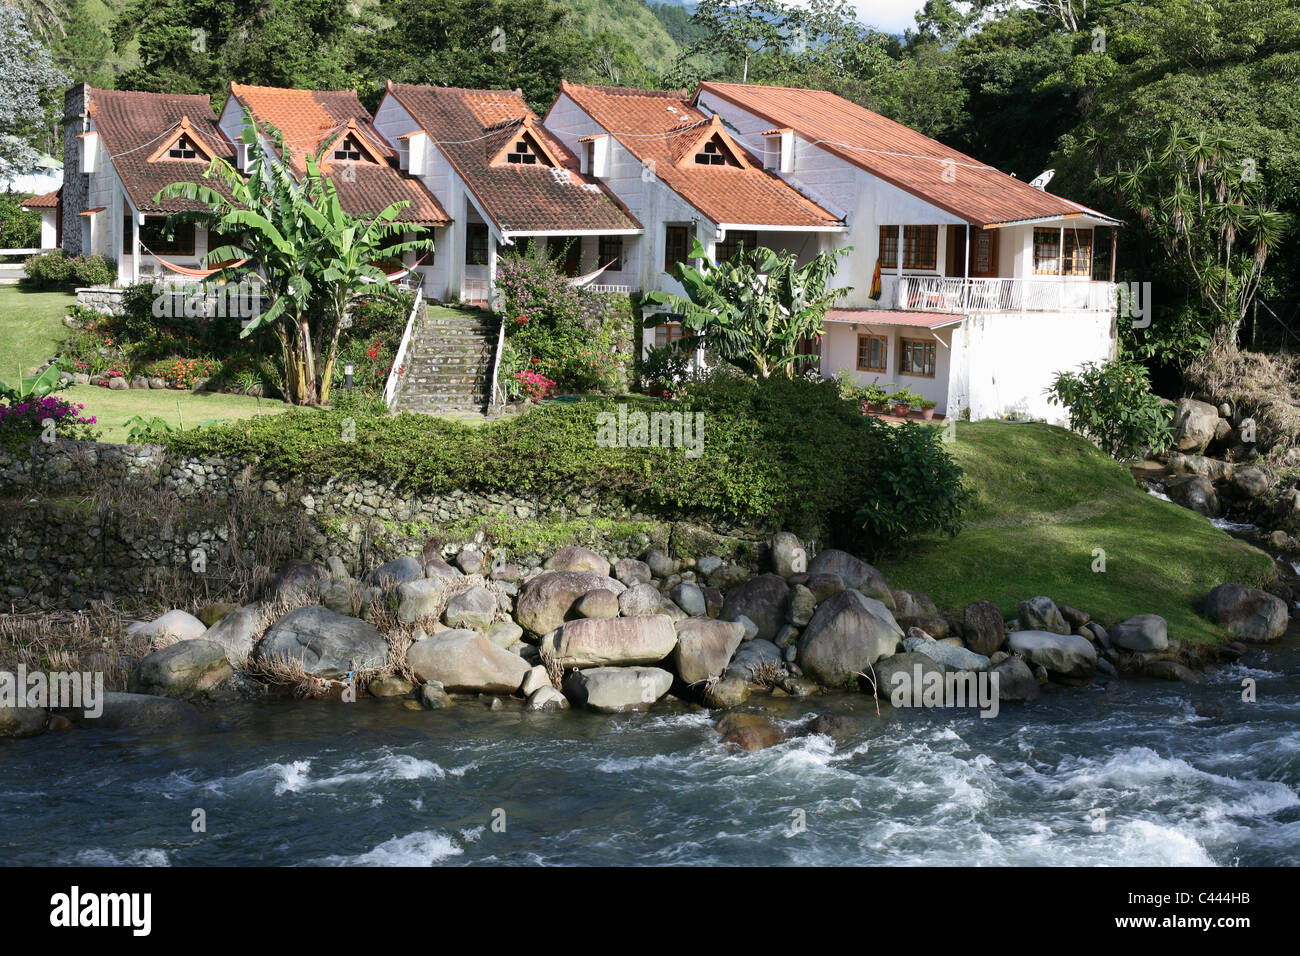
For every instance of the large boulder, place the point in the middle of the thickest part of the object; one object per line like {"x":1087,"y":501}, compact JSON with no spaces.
{"x":420,"y":598}
{"x":640,"y":599}
{"x":1250,"y":482}
{"x":982,"y":627}
{"x":546,"y":600}
{"x":328,"y":645}
{"x":597,"y":604}
{"x":1142,"y":632}
{"x":948,"y":656}
{"x":185,"y":669}
{"x":764,"y":600}
{"x":1066,"y":655}
{"x":1194,"y":492}
{"x":175,"y":625}
{"x":823,"y":585}
{"x":689,"y":596}
{"x":574,"y":558}
{"x":752,"y":658}
{"x":748,"y":731}
{"x":887,"y":681}
{"x":398,"y":571}
{"x":298,"y":579}
{"x":849,"y":632}
{"x":596,"y":642}
{"x":138,"y":712}
{"x":465,"y":661}
{"x":1015,"y":680}
{"x":1194,"y":425}
{"x":632,"y":572}
{"x":788,"y":555}
{"x":705,"y":648}
{"x":1247,"y":613}
{"x":237,"y":632}
{"x":618,"y":689}
{"x":473,"y":609}
{"x":854,"y":572}
{"x":22,"y":721}
{"x":914,"y":609}
{"x":1042,"y":614}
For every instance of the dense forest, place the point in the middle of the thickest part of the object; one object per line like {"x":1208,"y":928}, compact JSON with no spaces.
{"x":1179,"y":116}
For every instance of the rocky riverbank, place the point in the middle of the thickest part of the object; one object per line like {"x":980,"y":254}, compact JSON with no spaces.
{"x":623,"y":635}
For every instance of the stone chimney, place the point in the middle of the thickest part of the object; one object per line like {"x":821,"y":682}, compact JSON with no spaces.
{"x":75,"y":183}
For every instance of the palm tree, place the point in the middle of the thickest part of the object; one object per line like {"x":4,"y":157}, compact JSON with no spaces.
{"x":315,"y":259}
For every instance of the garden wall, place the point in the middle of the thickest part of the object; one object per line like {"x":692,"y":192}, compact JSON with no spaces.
{"x":82,"y":520}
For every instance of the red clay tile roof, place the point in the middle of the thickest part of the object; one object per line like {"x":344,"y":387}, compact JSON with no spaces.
{"x":132,"y":126}
{"x":912,"y":320}
{"x":44,"y":201}
{"x":471,"y":127}
{"x":308,"y":118}
{"x":663,"y":128}
{"x":978,"y":193}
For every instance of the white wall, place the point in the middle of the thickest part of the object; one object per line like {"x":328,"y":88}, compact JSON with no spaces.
{"x":840,"y":351}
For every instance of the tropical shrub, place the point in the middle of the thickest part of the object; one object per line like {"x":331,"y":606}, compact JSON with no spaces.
{"x":19,"y":228}
{"x":22,"y":421}
{"x":56,"y":268}
{"x":533,"y":386}
{"x":663,"y":368}
{"x":1113,"y":405}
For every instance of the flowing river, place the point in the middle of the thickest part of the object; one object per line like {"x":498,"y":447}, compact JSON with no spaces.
{"x":1127,"y":772}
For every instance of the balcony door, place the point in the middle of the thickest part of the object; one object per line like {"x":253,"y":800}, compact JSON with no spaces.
{"x":983,"y":252}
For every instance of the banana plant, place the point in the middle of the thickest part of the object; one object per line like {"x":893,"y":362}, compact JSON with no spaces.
{"x":36,"y":386}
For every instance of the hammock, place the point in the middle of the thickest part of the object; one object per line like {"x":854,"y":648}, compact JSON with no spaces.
{"x":590,"y":277}
{"x":187,"y":271}
{"x":400,"y":273}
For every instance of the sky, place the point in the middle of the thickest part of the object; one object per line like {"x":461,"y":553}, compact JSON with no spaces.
{"x":891,"y":16}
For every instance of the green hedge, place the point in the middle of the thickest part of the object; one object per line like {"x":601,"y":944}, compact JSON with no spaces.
{"x":781,"y":453}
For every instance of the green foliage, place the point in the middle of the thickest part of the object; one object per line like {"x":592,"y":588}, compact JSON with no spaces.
{"x":57,"y":269}
{"x":756,"y":308}
{"x":1113,"y":405}
{"x":36,"y":386}
{"x":155,"y":429}
{"x":915,"y":487}
{"x":663,"y":367}
{"x":19,"y":229}
{"x":369,"y":345}
{"x":27,"y":74}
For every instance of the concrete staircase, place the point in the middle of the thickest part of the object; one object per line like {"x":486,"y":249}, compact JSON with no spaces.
{"x":448,"y":368}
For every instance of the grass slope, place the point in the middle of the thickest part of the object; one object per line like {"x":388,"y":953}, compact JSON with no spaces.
{"x":31,"y":328}
{"x":177,"y":408}
{"x":1046,"y":500}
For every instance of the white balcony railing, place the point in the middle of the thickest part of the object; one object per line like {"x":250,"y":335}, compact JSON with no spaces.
{"x":1038,"y":294}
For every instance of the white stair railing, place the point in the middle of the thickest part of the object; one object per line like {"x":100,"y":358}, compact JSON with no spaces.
{"x":395,"y":373}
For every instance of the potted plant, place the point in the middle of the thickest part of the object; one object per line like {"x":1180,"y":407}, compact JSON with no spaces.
{"x":927,"y":409}
{"x":901,"y":402}
{"x":875,"y":397}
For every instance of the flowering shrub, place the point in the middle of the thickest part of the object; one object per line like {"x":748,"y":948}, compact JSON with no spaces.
{"x":23,"y":421}
{"x":57,"y":268}
{"x":1112,"y":404}
{"x":370,"y":344}
{"x":535,"y":387}
{"x":181,"y":373}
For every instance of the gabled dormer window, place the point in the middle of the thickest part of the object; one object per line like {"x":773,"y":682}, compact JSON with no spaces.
{"x":347,"y":150}
{"x":183,"y":148}
{"x":522,"y":154}
{"x":714,"y":153}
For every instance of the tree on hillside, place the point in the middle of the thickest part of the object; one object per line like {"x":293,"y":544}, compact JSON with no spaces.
{"x":316,"y":261}
{"x":26,"y":76}
{"x":756,"y":308}
{"x":45,"y":18}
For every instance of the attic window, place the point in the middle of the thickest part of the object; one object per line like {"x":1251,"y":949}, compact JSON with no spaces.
{"x":183,"y":148}
{"x":348,"y":150}
{"x":715,"y":154}
{"x":522,"y":154}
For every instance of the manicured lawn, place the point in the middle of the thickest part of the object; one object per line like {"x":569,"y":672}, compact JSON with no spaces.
{"x":177,"y":408}
{"x":31,"y":327}
{"x":1047,"y":500}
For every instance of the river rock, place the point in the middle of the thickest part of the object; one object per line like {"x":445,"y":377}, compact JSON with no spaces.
{"x":420,"y":598}
{"x":184,"y":669}
{"x":669,"y":607}
{"x":689,"y":596}
{"x":328,"y":645}
{"x":138,"y":712}
{"x":174,"y":625}
{"x":597,"y":604}
{"x":1042,"y":614}
{"x":575,"y":558}
{"x":545,"y":601}
{"x":1194,"y":492}
{"x":1171,"y":670}
{"x":1247,"y":613}
{"x":983,"y":628}
{"x":788,"y":555}
{"x":536,"y":677}
{"x":713,"y":601}
{"x":1067,"y":655}
{"x":237,"y":632}
{"x":848,"y":632}
{"x":434,"y":567}
{"x":210,"y":614}
{"x":433,"y":696}
{"x":465,"y":661}
{"x":763,"y":600}
{"x":618,"y":689}
{"x":905,"y":663}
{"x":505,"y":634}
{"x":748,"y":731}
{"x":803,"y":605}
{"x":335,"y":595}
{"x":731,"y":691}
{"x":948,"y":656}
{"x":389,"y":686}
{"x":612,"y":641}
{"x":705,"y":648}
{"x":1142,"y":632}
{"x":470,"y":560}
{"x":23,"y":721}
{"x":473,"y":609}
{"x":854,"y":572}
{"x":639,"y":600}
{"x":1250,"y":482}
{"x":547,"y":698}
{"x":632,"y":572}
{"x":659,"y":563}
{"x":752,"y":658}
{"x":727,"y":576}
{"x":1194,"y":425}
{"x":1016,"y":682}
{"x":823,"y":585}
{"x":398,"y":571}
